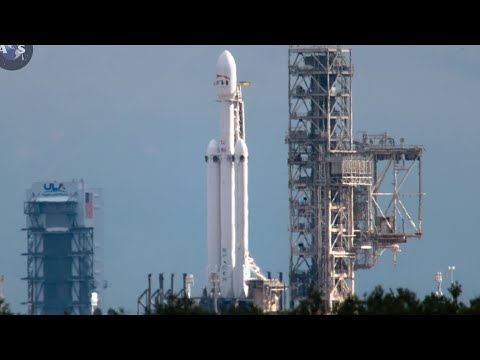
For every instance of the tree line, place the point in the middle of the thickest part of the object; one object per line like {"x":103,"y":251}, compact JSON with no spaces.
{"x":400,"y":302}
{"x":378,"y":302}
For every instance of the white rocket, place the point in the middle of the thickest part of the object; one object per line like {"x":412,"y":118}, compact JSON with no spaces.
{"x":227,"y":188}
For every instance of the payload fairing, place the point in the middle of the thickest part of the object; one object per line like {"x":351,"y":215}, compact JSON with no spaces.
{"x":227,"y":188}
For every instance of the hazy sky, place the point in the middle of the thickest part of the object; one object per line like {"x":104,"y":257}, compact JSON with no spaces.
{"x":136,"y":120}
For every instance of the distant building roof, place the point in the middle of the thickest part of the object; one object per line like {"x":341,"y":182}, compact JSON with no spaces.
{"x":53,"y":199}
{"x":57,"y":229}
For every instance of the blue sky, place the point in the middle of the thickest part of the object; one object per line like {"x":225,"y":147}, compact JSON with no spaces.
{"x":136,"y":120}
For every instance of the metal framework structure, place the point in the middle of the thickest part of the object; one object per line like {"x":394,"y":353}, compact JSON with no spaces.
{"x":60,"y":261}
{"x":148,"y":300}
{"x":341,"y":216}
{"x":390,"y":210}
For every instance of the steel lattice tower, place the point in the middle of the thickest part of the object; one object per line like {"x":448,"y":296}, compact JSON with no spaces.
{"x":321,"y":211}
{"x":341,"y":219}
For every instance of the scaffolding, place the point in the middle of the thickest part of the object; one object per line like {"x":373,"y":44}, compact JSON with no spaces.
{"x":338,"y":219}
{"x":390,"y":210}
{"x":60,"y":258}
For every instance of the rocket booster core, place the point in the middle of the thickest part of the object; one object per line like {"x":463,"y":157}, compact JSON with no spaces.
{"x":213,"y":206}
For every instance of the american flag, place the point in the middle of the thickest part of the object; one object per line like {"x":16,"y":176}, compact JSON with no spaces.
{"x":88,"y":205}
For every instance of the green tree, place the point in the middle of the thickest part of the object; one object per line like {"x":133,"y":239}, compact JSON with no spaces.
{"x":402,"y":303}
{"x":379,"y":302}
{"x":437,"y":305}
{"x":179,"y":305}
{"x":375,"y":301}
{"x":456,"y":290}
{"x":119,"y":311}
{"x":4,"y":308}
{"x":243,"y":309}
{"x":351,"y":306}
{"x":313,"y":304}
{"x":405,"y":302}
{"x":97,"y":311}
{"x":474,"y":308}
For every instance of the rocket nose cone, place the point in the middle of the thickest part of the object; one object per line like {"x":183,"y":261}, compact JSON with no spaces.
{"x":226,"y":75}
{"x":226,"y":64}
{"x":213,"y":148}
{"x":241,"y":148}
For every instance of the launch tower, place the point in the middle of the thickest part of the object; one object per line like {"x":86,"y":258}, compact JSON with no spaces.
{"x":64,"y":247}
{"x":345,"y":201}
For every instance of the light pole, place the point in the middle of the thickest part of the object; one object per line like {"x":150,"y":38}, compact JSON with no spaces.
{"x":189,"y":282}
{"x":94,"y":302}
{"x":451,"y":269}
{"x":438,"y":279}
{"x":215,"y":279}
